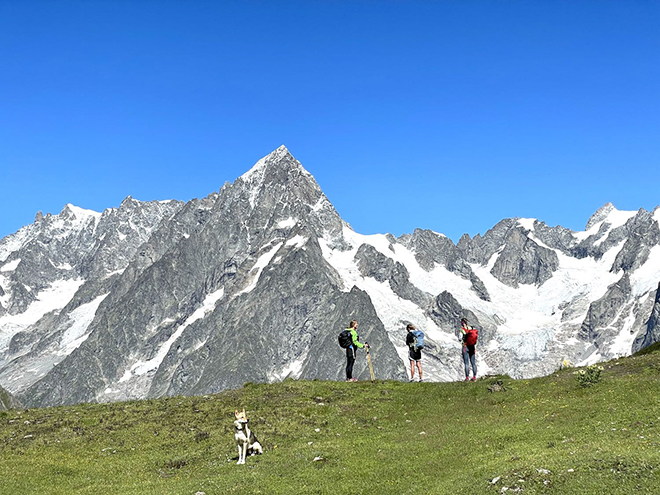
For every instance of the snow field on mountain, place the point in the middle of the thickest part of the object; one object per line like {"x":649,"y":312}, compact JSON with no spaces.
{"x":53,"y":298}
{"x":623,"y":342}
{"x":80,"y":319}
{"x":11,"y":266}
{"x":529,"y":307}
{"x":647,"y":277}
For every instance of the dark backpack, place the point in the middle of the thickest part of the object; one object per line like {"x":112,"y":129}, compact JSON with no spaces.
{"x":418,"y":344}
{"x":345,"y":339}
{"x":471,"y":336}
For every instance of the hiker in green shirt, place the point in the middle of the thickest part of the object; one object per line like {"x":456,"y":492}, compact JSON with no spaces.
{"x":350,"y":351}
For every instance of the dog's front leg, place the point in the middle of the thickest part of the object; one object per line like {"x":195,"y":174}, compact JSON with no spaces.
{"x":240,"y":453}
{"x":245,"y":447}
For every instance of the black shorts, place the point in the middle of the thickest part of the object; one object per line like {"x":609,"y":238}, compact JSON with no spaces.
{"x":415,"y":355}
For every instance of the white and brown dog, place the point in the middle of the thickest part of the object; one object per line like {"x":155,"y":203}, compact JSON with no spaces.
{"x":245,"y":439}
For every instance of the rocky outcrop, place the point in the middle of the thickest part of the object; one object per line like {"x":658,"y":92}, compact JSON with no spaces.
{"x":376,"y":265}
{"x":652,"y":333}
{"x":447,"y":312}
{"x":642,"y":234}
{"x":606,"y":313}
{"x":7,"y":401}
{"x":522,"y":261}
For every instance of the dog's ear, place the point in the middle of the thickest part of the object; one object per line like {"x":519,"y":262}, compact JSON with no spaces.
{"x":244,"y":413}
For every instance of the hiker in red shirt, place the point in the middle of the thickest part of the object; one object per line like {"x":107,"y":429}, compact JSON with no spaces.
{"x":468,"y":338}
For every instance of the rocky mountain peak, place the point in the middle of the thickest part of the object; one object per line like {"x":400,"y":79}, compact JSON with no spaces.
{"x":278,"y":191}
{"x":277,"y":167}
{"x":602,"y":213}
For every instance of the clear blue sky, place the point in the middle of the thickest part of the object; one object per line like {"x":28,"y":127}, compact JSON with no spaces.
{"x":446,"y":115}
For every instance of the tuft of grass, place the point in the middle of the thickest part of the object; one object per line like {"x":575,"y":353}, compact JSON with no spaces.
{"x":545,"y":435}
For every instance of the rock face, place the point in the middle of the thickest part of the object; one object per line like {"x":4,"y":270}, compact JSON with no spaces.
{"x":7,"y":401}
{"x":523,"y":261}
{"x":255,"y":282}
{"x":652,"y":333}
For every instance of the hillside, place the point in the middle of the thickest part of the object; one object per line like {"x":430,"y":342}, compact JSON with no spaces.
{"x":542,"y":435}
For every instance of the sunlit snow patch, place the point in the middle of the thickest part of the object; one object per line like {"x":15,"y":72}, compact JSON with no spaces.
{"x":261,"y":263}
{"x":288,"y":223}
{"x":297,"y":241}
{"x":291,"y":370}
{"x":11,"y":266}
{"x":647,"y":276}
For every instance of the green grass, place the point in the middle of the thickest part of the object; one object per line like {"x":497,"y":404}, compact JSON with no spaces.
{"x":546,"y":435}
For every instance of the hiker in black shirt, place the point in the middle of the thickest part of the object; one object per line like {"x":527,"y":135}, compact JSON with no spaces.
{"x":414,"y":354}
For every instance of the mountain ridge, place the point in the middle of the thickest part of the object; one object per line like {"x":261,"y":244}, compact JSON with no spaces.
{"x":253,"y":282}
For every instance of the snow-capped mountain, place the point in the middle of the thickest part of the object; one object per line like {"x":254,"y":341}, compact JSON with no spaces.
{"x":254,"y":283}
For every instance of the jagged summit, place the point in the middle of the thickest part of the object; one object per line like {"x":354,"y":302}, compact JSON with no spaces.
{"x":71,"y":211}
{"x":277,"y":162}
{"x":600,"y":215}
{"x":279,"y":177}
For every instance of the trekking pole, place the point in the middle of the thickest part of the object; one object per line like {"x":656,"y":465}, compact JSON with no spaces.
{"x":371,"y":366}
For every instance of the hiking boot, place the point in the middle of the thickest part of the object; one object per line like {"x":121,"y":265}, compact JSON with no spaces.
{"x":474,"y":378}
{"x":353,"y":380}
{"x":467,"y":378}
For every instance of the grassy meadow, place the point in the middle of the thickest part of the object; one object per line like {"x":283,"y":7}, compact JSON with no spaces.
{"x":545,"y":435}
